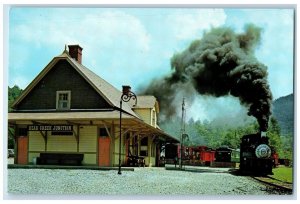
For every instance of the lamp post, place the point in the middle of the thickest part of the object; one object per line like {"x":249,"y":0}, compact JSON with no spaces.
{"x":126,"y":96}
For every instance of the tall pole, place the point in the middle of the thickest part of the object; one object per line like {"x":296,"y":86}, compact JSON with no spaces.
{"x":182,"y":132}
{"x":119,"y":172}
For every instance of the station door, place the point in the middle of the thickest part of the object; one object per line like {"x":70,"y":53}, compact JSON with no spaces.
{"x":104,"y":151}
{"x":22,"y":150}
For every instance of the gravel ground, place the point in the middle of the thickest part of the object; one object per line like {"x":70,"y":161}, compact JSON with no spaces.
{"x":142,"y":181}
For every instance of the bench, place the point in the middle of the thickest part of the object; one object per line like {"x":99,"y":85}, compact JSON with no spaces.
{"x":60,"y":159}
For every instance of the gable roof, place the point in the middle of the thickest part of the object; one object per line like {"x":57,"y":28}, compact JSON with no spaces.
{"x":146,"y":102}
{"x":105,"y":89}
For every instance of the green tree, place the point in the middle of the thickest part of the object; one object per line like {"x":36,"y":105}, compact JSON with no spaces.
{"x":274,"y":136}
{"x":283,"y":144}
{"x":231,"y":139}
{"x":287,"y":146}
{"x":13,"y":93}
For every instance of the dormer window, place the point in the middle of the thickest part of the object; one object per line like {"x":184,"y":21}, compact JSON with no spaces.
{"x":63,"y":100}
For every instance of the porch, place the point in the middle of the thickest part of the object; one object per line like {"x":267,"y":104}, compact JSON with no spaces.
{"x":95,"y":135}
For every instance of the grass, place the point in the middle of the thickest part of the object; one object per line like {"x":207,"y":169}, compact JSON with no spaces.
{"x":284,"y":174}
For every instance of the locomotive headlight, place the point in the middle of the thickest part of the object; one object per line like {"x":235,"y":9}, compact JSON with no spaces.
{"x":263,"y":151}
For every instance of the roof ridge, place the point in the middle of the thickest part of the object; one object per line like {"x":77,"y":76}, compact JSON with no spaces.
{"x":146,"y":96}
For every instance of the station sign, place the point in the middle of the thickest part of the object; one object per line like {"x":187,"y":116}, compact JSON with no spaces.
{"x":50,"y":128}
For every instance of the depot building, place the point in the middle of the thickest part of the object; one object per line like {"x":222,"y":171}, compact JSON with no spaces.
{"x":70,"y":115}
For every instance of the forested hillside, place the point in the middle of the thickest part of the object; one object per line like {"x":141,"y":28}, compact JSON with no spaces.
{"x":283,"y":111}
{"x":221,"y":132}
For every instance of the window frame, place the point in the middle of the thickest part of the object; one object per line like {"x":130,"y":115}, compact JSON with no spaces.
{"x":69,"y":99}
{"x":22,"y":132}
{"x":144,"y":144}
{"x":144,"y":141}
{"x":153,"y":118}
{"x":103,"y":129}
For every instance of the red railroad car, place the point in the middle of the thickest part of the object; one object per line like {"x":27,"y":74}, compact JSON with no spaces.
{"x":195,"y":155}
{"x":202,"y":155}
{"x":275,"y":157}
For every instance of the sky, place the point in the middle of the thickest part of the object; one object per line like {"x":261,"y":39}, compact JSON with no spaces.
{"x":132,"y":46}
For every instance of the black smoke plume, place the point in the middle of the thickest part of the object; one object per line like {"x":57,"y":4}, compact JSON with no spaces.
{"x":221,"y":63}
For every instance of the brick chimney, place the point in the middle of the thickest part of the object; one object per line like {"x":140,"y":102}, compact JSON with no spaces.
{"x":126,"y":90}
{"x":75,"y":52}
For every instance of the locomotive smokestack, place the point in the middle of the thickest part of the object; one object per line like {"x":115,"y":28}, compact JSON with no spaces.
{"x":221,"y":63}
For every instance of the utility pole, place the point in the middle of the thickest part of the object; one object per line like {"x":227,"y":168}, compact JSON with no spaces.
{"x":182,"y":131}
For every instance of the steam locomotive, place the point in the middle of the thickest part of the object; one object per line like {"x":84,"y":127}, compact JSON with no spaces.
{"x":255,"y":155}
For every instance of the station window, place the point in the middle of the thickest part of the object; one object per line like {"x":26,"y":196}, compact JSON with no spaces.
{"x":63,"y":100}
{"x":144,"y":147}
{"x":144,"y":141}
{"x":143,"y":153}
{"x":22,"y":132}
{"x":103,"y":132}
{"x":153,"y":118}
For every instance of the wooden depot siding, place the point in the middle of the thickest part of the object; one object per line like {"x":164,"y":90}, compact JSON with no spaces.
{"x":145,"y":114}
{"x":88,"y":139}
{"x":62,"y":77}
{"x":36,"y":141}
{"x":88,"y":144}
{"x":62,"y":143}
{"x":89,"y":159}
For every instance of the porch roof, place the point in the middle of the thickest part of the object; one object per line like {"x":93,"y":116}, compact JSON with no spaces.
{"x":129,"y":122}
{"x":85,"y":115}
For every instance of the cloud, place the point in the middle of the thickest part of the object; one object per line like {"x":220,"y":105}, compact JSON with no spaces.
{"x":107,"y":29}
{"x":189,"y":23}
{"x":113,"y":41}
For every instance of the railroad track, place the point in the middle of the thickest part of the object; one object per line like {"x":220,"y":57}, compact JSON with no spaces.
{"x":277,"y":184}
